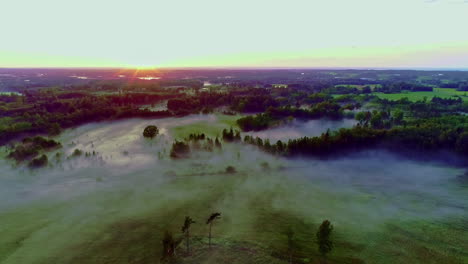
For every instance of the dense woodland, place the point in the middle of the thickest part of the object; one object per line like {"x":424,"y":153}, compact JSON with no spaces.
{"x":403,"y":125}
{"x":435,"y":134}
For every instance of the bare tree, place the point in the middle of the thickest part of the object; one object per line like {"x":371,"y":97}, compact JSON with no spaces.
{"x":210,"y":221}
{"x":186,"y":230}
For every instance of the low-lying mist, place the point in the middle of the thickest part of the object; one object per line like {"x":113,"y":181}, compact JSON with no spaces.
{"x":116,"y":204}
{"x":297,"y":129}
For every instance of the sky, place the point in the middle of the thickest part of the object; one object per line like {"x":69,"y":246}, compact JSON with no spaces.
{"x":234,"y":33}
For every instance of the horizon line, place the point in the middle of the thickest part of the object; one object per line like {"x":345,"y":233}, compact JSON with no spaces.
{"x":247,"y":68}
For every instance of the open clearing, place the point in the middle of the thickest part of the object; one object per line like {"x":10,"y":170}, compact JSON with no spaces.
{"x":418,"y":96}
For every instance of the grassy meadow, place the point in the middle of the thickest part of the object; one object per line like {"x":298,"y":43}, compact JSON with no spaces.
{"x":418,"y":96}
{"x":114,"y":208}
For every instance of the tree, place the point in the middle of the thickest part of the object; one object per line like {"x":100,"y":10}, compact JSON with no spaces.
{"x":398,"y":117}
{"x":361,"y":118}
{"x":77,"y":153}
{"x":150,"y":132}
{"x":366,"y":90}
{"x":210,"y":221}
{"x":325,"y":245}
{"x":54,"y":129}
{"x":376,"y":120}
{"x":186,"y":230}
{"x":169,"y":245}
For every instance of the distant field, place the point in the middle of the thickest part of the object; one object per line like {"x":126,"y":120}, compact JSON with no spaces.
{"x":373,"y":86}
{"x":416,"y":96}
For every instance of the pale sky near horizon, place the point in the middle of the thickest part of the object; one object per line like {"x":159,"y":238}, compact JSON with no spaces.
{"x":237,"y":33}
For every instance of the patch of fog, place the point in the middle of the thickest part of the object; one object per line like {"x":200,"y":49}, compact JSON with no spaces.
{"x":80,"y":197}
{"x":298,"y":129}
{"x":80,"y":77}
{"x":149,"y":78}
{"x":161,"y":106}
{"x":393,"y":187}
{"x":10,"y":93}
{"x":122,"y":143}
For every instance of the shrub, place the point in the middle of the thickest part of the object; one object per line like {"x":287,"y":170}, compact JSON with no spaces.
{"x":150,"y":131}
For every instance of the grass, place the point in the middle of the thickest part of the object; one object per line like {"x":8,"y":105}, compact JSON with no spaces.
{"x":211,"y":128}
{"x":138,"y":239}
{"x":123,"y":221}
{"x":359,"y":87}
{"x":418,"y":96}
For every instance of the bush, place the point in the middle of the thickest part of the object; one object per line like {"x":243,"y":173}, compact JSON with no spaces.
{"x":77,"y":153}
{"x":230,"y":170}
{"x":325,"y":245}
{"x":150,"y":131}
{"x":180,"y":149}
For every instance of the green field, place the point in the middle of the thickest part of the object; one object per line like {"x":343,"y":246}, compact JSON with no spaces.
{"x":211,"y":128}
{"x":417,"y":96}
{"x":113,"y":208}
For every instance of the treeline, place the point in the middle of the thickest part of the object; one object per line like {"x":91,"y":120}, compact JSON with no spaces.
{"x":200,"y":142}
{"x":460,"y":86}
{"x":273,"y":115}
{"x":401,"y":86}
{"x":206,"y":102}
{"x":348,"y":89}
{"x":435,"y":134}
{"x":136,"y":85}
{"x":49,"y":115}
{"x":383,"y":87}
{"x":48,"y":111}
{"x":435,"y":107}
{"x":380,"y":119}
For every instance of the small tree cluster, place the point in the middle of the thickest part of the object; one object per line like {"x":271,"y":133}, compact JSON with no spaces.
{"x":180,"y":149}
{"x":231,"y":135}
{"x":31,"y":147}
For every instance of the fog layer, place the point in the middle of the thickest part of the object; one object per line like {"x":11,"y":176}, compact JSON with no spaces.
{"x":84,"y":209}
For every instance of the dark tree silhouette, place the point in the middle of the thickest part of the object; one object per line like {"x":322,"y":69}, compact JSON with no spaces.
{"x":210,"y":221}
{"x":180,"y":149}
{"x":186,"y":230}
{"x":169,"y":245}
{"x":325,"y":245}
{"x":230,"y":170}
